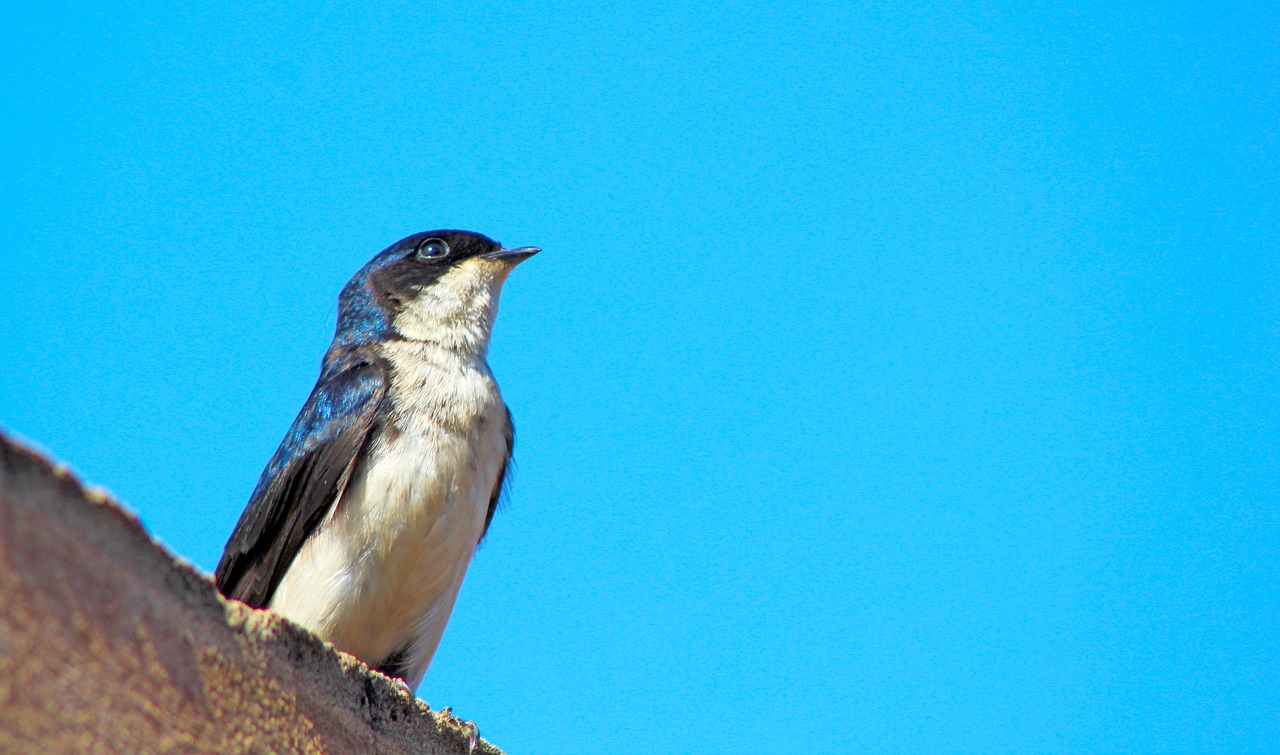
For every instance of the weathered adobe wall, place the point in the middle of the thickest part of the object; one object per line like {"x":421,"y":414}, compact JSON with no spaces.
{"x":110,"y":644}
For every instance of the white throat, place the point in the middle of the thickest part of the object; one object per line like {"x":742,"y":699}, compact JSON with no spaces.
{"x":458,"y":310}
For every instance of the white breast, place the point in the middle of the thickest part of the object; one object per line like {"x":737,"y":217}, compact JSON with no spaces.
{"x":384,"y":570}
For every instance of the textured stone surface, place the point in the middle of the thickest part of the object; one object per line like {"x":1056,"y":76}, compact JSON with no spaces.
{"x":110,"y":644}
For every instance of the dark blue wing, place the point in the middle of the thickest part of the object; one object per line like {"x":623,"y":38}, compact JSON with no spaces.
{"x":304,"y":478}
{"x":495,"y":498}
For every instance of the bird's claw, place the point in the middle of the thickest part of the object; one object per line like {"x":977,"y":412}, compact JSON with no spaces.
{"x":473,"y":735}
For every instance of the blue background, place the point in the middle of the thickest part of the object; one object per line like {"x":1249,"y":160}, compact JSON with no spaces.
{"x":895,"y":375}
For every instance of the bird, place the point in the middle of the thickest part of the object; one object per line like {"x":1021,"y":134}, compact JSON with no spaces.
{"x":363,"y":524}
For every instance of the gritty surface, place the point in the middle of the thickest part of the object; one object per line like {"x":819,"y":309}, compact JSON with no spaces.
{"x":109,"y":644}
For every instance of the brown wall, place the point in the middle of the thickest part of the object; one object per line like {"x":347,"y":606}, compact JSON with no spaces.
{"x":110,"y":644}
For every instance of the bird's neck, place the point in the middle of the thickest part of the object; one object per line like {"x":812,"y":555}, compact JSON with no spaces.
{"x":457,"y":312}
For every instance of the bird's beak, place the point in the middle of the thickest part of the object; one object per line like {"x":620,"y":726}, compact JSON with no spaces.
{"x":513,"y":256}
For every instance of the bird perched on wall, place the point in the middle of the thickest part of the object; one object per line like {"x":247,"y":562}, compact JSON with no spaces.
{"x":363,"y":524}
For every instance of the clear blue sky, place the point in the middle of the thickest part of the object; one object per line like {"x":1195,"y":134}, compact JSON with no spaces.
{"x":898,"y":376}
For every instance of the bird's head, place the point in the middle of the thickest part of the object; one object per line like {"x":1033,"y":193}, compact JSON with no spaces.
{"x":436,"y":286}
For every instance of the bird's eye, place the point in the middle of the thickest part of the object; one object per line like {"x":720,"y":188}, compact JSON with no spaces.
{"x":432,"y":247}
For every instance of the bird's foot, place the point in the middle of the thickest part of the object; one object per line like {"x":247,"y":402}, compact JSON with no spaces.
{"x":473,"y":735}
{"x":403,"y":686}
{"x":472,"y":731}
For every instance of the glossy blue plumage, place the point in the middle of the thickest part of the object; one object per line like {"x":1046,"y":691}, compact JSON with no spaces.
{"x":333,"y":405}
{"x":360,"y":319}
{"x":343,"y":390}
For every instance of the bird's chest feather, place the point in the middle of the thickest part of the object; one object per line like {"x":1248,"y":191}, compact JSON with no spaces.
{"x":421,"y":501}
{"x":390,"y":559}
